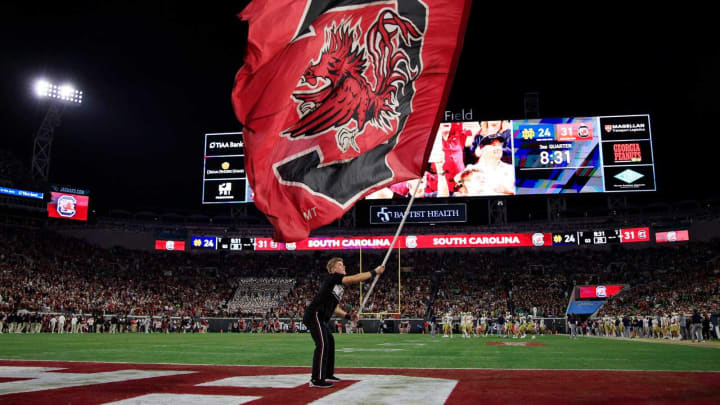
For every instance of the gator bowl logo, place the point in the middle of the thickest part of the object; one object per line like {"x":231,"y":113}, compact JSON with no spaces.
{"x":66,"y":206}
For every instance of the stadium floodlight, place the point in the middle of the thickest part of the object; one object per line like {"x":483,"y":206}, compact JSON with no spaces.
{"x":64,"y":92}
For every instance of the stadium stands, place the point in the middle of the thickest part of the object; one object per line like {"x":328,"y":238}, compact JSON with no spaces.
{"x":44,"y":272}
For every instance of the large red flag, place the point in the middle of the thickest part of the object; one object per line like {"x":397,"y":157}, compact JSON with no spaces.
{"x":340,"y":98}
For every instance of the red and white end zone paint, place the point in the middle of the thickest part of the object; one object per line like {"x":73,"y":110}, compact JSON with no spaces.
{"x":41,"y":382}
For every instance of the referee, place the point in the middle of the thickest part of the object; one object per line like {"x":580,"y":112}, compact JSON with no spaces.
{"x":318,"y":313}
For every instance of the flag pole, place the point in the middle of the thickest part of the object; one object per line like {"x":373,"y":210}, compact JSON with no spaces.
{"x":397,"y":233}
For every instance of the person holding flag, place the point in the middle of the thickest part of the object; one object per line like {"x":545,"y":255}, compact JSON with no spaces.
{"x":317,"y":315}
{"x":339,"y":100}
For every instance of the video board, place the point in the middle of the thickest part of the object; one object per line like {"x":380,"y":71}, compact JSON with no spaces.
{"x":672,"y":236}
{"x":68,"y":206}
{"x":536,"y":157}
{"x":598,"y":291}
{"x":224,"y":177}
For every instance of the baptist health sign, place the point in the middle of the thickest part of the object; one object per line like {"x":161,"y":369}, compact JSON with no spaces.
{"x":419,"y":214}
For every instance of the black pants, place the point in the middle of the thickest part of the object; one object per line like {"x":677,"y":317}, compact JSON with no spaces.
{"x":324,"y":356}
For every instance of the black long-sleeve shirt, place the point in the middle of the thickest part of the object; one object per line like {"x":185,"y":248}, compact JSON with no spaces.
{"x":326,"y":300}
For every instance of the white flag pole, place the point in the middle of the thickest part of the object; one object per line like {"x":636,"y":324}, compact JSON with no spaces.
{"x":397,"y":233}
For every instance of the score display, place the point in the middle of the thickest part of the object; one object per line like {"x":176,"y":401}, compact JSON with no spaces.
{"x":557,"y":156}
{"x":236,"y":243}
{"x":604,"y":237}
{"x":538,"y":156}
{"x":536,"y":239}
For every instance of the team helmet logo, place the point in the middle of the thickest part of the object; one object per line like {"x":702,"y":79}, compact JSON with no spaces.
{"x":538,"y":239}
{"x":66,"y":206}
{"x":411,"y":241}
{"x":583,"y":131}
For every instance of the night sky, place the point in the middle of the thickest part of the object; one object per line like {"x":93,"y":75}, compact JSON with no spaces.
{"x":157,"y":75}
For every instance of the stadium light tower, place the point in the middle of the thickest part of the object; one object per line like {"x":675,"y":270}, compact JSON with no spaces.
{"x":60,"y":96}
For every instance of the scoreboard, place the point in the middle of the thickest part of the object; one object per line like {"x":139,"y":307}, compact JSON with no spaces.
{"x":535,"y":239}
{"x":222,"y":243}
{"x":602,"y":154}
{"x":557,"y":156}
{"x":601,"y":237}
{"x":583,"y":155}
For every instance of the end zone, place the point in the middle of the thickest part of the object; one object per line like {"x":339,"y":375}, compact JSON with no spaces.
{"x":89,"y":383}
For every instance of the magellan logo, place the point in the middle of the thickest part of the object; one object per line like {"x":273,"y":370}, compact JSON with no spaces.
{"x":621,"y":128}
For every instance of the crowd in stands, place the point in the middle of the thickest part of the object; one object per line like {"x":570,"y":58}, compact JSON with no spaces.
{"x":28,"y":322}
{"x":43,"y":273}
{"x":259,"y":294}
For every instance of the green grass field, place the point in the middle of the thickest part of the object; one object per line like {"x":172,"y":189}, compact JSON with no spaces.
{"x":369,"y":350}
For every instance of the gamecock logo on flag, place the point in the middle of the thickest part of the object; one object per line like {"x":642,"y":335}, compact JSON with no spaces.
{"x":339,"y":99}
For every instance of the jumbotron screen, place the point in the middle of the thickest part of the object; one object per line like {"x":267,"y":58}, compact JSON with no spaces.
{"x":535,"y":157}
{"x":68,"y":206}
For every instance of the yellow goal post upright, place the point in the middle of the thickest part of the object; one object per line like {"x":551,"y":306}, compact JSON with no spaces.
{"x":399,"y":306}
{"x":418,"y":185}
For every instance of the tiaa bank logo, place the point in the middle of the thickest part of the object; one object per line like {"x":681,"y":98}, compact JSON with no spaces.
{"x":601,"y":291}
{"x":66,"y":206}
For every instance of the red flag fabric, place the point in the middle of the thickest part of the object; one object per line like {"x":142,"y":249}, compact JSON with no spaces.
{"x":340,"y":98}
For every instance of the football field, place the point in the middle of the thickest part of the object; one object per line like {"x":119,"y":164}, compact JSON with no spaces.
{"x":390,"y":368}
